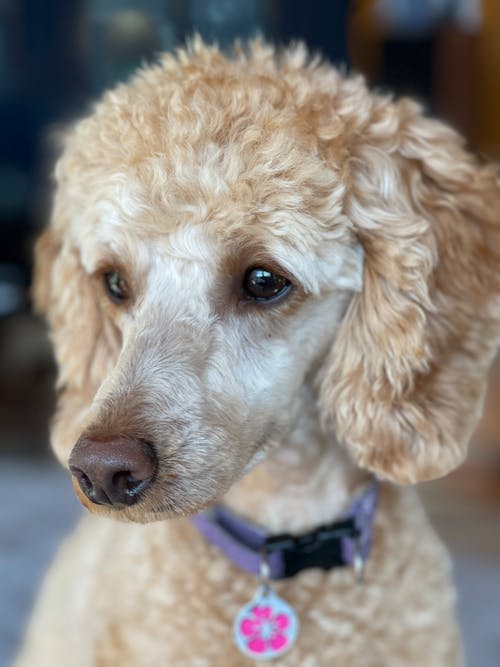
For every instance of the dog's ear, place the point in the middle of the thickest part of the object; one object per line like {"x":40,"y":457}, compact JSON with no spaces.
{"x":85,"y":342}
{"x":62,"y":290}
{"x":405,"y":379}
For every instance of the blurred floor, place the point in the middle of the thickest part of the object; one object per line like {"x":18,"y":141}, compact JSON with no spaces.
{"x":38,"y":507}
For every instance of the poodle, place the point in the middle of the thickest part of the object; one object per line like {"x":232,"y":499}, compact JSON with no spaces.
{"x":274,"y":297}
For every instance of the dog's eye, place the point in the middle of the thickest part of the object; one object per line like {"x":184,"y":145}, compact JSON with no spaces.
{"x":260,"y":284}
{"x":116,"y":286}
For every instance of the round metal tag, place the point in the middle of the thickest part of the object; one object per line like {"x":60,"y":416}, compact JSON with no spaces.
{"x":266,"y":627}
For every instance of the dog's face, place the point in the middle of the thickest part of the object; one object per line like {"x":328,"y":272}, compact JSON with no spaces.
{"x":229,"y":236}
{"x":218,"y":326}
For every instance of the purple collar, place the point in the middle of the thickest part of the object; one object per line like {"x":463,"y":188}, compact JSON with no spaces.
{"x":344,"y":542}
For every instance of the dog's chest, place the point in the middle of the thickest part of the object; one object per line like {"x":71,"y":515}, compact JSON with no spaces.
{"x":153,"y":595}
{"x":181,"y":598}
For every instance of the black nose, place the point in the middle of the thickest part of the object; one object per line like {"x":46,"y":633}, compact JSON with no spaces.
{"x":114,"y":471}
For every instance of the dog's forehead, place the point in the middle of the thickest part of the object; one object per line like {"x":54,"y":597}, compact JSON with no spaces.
{"x":186,"y":143}
{"x":179,"y":105}
{"x":212,"y":216}
{"x":175,"y":150}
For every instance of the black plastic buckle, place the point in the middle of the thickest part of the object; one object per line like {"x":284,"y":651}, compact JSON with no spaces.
{"x":321,"y":548}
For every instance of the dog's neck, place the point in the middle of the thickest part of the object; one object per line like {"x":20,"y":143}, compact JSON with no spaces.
{"x":305,"y":480}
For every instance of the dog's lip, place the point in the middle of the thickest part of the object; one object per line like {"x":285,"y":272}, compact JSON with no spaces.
{"x":141,"y":513}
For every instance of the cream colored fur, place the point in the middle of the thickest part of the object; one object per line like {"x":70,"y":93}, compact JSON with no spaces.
{"x":375,"y":362}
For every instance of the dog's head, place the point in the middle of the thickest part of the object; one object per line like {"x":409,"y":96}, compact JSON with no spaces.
{"x":228,"y":233}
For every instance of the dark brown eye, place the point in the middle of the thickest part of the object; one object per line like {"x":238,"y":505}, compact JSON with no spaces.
{"x":262,"y":285}
{"x":116,"y":286}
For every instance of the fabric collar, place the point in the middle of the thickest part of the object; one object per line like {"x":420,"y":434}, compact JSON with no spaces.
{"x":346,"y":541}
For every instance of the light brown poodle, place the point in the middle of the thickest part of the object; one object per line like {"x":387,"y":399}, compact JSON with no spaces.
{"x":265,"y":286}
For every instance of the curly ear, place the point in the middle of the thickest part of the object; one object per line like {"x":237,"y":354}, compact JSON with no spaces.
{"x":85,"y":342}
{"x":405,"y":380}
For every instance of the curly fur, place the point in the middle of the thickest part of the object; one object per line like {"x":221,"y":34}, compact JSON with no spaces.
{"x":198,"y":168}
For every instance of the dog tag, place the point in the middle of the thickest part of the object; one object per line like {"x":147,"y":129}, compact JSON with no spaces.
{"x":266,"y":627}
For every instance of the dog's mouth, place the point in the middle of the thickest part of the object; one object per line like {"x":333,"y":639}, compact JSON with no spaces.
{"x":149,"y":506}
{"x":130,"y":479}
{"x":149,"y":493}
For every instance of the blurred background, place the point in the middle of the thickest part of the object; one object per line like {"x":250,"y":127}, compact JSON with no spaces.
{"x":56,"y":56}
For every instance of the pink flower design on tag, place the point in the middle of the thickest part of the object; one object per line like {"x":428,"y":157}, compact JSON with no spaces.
{"x":266,"y":627}
{"x":263,"y":630}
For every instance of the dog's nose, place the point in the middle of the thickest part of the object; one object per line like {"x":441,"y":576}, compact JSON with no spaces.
{"x":114,"y":471}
